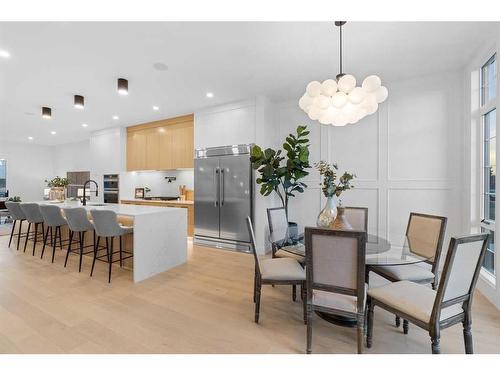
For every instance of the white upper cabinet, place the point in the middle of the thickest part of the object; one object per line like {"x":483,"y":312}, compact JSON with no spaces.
{"x":107,"y":151}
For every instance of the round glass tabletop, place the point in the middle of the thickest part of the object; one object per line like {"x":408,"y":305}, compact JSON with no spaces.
{"x":379,"y":251}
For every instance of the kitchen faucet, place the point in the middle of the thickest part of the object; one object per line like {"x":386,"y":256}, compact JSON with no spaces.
{"x":84,"y":199}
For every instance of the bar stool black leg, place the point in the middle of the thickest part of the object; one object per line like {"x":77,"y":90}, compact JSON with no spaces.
{"x":96,"y":246}
{"x":27,"y":236}
{"x":12,"y":231}
{"x":69,"y":247}
{"x":54,"y":244}
{"x":81,"y":236}
{"x":34,"y":240}
{"x":19,"y":233}
{"x":110,"y":259}
{"x":45,"y":240}
{"x":60,"y":237}
{"x":121,"y":254}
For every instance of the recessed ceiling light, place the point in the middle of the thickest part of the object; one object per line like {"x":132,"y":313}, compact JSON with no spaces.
{"x":30,"y":138}
{"x":53,"y":132}
{"x":115,"y":117}
{"x":84,"y":125}
{"x":46,"y":112}
{"x":210,"y":94}
{"x":5,"y":54}
{"x":156,"y":108}
{"x":79,"y":101}
{"x":122,"y":86}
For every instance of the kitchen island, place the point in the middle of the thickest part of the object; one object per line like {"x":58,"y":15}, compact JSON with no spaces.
{"x":159,"y":238}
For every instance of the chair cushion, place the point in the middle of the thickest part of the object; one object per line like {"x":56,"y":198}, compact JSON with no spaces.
{"x":282,"y":269}
{"x":411,"y":272}
{"x":298,"y":255}
{"x":413,"y":299}
{"x":336,"y":301}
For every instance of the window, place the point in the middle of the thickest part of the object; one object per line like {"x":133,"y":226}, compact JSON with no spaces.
{"x":489,"y":121}
{"x":3,"y":177}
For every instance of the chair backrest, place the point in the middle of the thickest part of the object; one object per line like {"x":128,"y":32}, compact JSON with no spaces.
{"x":278,"y":223}
{"x":357,"y":217}
{"x":15,"y":210}
{"x":52,"y":215}
{"x":32,"y":212}
{"x":77,"y":219}
{"x":253,"y":242}
{"x":425,"y":234}
{"x":335,"y":262}
{"x":106,"y":223}
{"x":460,"y":273}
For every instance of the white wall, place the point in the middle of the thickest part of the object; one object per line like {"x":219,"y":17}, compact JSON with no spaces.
{"x":71,"y":157}
{"x":406,"y":156}
{"x":28,"y":166}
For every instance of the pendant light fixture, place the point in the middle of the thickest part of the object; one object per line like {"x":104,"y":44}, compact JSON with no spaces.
{"x":79,"y":101}
{"x":122,"y":86}
{"x":339,"y":101}
{"x":46,"y":112}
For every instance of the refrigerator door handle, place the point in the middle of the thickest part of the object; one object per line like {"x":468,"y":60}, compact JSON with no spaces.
{"x":222,"y":194}
{"x":216,"y":185}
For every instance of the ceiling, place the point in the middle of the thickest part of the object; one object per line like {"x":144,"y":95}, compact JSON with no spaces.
{"x":50,"y":62}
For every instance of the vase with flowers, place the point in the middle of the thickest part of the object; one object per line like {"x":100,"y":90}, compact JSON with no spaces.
{"x":57,"y":187}
{"x":332,"y":215}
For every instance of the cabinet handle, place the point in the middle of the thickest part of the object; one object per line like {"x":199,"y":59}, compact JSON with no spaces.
{"x":223,"y":193}
{"x":216,"y":184}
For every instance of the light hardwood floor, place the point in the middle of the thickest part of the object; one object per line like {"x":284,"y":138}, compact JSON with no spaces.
{"x":203,"y":306}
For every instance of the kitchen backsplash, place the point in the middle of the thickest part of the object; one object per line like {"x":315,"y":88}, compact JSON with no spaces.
{"x":155,"y":180}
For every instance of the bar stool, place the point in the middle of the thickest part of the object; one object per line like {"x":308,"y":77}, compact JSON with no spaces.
{"x":106,"y":225}
{"x":78,"y":222}
{"x":54,"y":220}
{"x":17,"y":215}
{"x":33,"y":216}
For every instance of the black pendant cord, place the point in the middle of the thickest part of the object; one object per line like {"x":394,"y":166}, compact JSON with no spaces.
{"x":340,"y":24}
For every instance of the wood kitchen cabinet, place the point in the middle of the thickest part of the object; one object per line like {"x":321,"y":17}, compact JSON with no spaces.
{"x":161,"y":145}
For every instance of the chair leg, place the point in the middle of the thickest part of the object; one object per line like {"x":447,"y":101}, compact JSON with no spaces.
{"x":254,"y":287}
{"x":405,"y":326}
{"x":96,"y":246}
{"x":121,"y":254}
{"x":110,"y":259}
{"x":304,"y":300}
{"x":45,"y":240}
{"x":27,"y":236}
{"x":257,"y":301}
{"x":435,"y":346}
{"x":12,"y":231}
{"x":361,"y":331}
{"x":19,"y":233}
{"x":369,"y":328}
{"x":294,"y":292}
{"x":309,"y":329}
{"x":54,"y":245}
{"x":398,"y":321}
{"x":60,"y":237}
{"x":36,"y":237}
{"x":469,"y":349}
{"x":81,"y":237}
{"x":69,"y":247}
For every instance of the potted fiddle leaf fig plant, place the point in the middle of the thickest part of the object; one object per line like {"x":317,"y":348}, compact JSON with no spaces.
{"x":281,"y":171}
{"x":57,"y":187}
{"x":332,"y":189}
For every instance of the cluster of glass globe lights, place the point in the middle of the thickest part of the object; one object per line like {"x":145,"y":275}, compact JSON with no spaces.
{"x":341,"y":102}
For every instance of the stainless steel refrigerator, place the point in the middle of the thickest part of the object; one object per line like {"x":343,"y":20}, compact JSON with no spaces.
{"x":223,"y":185}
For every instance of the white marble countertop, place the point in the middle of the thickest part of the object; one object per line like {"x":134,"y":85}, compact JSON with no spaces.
{"x":120,"y":209}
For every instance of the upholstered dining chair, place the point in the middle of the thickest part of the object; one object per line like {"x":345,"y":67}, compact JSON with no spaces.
{"x":436,"y":310}
{"x":274,"y":271}
{"x":53,"y":220}
{"x":425,"y":235}
{"x":18,"y":216}
{"x":357,"y":217}
{"x":335,"y":267}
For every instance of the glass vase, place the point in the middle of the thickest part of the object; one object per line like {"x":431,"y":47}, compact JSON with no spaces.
{"x":327,"y":214}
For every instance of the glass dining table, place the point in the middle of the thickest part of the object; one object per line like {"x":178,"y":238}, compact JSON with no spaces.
{"x":379,"y":252}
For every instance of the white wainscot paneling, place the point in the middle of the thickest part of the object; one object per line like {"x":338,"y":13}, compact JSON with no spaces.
{"x":418,"y":136}
{"x":364,"y":197}
{"x":305,"y":207}
{"x":403,"y":201}
{"x":355,"y":148}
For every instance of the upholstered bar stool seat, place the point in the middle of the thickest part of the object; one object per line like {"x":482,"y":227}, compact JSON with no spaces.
{"x":33,"y":217}
{"x":78,"y":223}
{"x":53,"y":220}
{"x":282,"y":269}
{"x":106,"y":225}
{"x":18,"y":216}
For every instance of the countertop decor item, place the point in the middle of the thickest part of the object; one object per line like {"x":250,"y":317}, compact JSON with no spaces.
{"x":332,"y":189}
{"x":282,"y":174}
{"x":57,"y":188}
{"x":339,"y":101}
{"x":15,"y":198}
